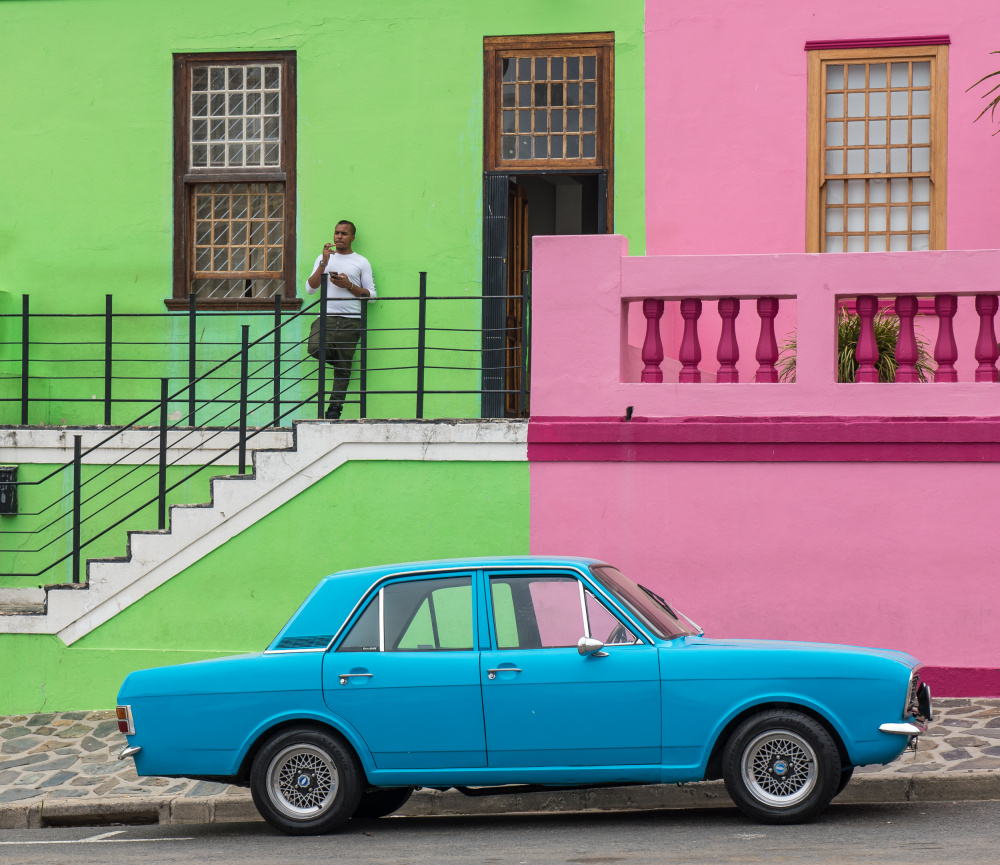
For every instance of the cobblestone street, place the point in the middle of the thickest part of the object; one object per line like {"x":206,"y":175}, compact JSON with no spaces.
{"x":73,"y":755}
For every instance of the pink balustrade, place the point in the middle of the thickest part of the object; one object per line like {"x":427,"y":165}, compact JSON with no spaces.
{"x":583,"y":330}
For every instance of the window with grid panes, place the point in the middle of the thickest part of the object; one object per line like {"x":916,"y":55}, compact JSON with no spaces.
{"x":548,"y":101}
{"x":234,"y":179}
{"x":880,"y":150}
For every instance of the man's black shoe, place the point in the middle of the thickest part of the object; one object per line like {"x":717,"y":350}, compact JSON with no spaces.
{"x":332,"y":414}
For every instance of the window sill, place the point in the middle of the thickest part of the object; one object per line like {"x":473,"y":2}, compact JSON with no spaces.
{"x":180,"y":304}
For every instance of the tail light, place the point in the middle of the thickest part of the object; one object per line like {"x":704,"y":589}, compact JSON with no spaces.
{"x":124,"y":714}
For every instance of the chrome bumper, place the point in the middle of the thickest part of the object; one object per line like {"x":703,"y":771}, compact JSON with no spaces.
{"x":904,"y":729}
{"x":128,"y":751}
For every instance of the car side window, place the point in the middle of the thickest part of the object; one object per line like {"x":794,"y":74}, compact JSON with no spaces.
{"x":605,"y":626}
{"x":536,"y":612}
{"x":363,"y":636}
{"x":428,"y":615}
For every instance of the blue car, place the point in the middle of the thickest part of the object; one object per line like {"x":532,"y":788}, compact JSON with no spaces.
{"x":514,"y":673}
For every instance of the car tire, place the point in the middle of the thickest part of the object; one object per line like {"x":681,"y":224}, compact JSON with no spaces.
{"x":781,"y":766}
{"x":306,"y":781}
{"x":845,"y":779}
{"x":382,"y":802}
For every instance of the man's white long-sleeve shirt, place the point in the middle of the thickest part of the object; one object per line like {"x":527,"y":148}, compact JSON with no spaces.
{"x":339,"y":301}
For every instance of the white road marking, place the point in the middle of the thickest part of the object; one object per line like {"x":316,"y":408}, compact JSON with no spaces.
{"x":103,"y":838}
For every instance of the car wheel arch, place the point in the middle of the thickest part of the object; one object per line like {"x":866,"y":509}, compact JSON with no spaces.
{"x":713,"y":769}
{"x":327,"y":725}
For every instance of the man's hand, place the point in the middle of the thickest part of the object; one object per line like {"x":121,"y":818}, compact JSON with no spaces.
{"x":327,"y":250}
{"x":341,"y":281}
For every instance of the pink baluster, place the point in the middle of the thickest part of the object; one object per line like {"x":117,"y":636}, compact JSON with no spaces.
{"x":867,"y":350}
{"x":690,"y":353}
{"x":946,"y":350}
{"x":767,"y":345}
{"x":986,"y":346}
{"x":652,"y":348}
{"x":729,"y":349}
{"x":906,"y":343}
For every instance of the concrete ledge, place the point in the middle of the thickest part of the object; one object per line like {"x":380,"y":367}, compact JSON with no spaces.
{"x":863,"y":790}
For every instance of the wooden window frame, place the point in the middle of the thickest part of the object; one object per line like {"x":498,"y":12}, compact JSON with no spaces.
{"x":496,"y":48}
{"x":816,"y":135}
{"x":185,"y":178}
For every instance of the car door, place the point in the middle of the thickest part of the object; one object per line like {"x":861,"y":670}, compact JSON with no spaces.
{"x":406,"y":675}
{"x":547,"y":705}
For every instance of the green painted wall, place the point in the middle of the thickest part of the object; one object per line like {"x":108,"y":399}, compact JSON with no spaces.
{"x":389,"y":135}
{"x":237,"y":598}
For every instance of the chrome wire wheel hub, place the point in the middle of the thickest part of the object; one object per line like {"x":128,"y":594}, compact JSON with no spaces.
{"x":302,"y":781}
{"x":779,"y":768}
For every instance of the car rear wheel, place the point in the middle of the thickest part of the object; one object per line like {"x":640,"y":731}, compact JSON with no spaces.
{"x":845,"y":779}
{"x":306,"y":781}
{"x":382,"y":803}
{"x":781,"y":767}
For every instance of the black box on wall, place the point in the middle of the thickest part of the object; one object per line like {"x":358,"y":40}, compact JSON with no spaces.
{"x":8,"y":490}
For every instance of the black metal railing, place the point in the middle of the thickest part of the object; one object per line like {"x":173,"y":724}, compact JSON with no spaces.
{"x":265,"y":384}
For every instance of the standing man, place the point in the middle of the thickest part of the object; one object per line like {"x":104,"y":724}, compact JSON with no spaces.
{"x":349,"y":280}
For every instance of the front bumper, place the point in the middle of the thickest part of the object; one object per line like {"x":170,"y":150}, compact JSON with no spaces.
{"x":904,"y":728}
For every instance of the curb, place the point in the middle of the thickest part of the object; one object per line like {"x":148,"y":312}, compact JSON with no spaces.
{"x":864,"y":790}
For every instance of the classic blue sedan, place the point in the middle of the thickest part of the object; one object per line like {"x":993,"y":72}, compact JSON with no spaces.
{"x":500,"y":672}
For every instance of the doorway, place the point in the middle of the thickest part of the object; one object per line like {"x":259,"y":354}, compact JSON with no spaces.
{"x":517,"y":208}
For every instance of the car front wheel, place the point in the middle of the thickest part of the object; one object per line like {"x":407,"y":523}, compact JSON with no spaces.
{"x":382,"y":802}
{"x":306,"y":781}
{"x":781,"y":767}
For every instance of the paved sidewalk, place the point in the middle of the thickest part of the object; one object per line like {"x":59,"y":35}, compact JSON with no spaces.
{"x":65,"y":767}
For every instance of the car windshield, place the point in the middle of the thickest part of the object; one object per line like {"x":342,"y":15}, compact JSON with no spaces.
{"x":648,"y":607}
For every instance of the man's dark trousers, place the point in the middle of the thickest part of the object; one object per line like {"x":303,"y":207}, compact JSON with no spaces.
{"x":342,"y":336}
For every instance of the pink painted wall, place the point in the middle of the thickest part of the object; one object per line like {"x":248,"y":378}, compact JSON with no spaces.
{"x":897,"y":555}
{"x":726,"y":117}
{"x":581,"y":358}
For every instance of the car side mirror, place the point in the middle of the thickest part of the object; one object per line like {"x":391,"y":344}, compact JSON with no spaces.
{"x":590,"y":646}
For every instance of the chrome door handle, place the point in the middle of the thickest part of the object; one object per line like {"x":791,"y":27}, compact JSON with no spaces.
{"x":345,"y":676}
{"x":492,"y":674}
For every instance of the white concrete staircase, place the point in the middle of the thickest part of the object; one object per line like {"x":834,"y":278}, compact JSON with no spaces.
{"x":238,"y":502}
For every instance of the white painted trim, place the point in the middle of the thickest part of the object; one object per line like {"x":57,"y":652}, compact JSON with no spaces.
{"x":54,"y":445}
{"x":240,"y":502}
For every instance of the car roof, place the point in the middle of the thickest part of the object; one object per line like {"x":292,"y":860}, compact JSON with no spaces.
{"x":328,"y":606}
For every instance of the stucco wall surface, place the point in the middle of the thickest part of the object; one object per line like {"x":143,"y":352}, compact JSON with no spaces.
{"x":900,"y":556}
{"x":726,"y":117}
{"x":237,"y":598}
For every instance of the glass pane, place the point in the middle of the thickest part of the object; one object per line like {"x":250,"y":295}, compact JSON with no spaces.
{"x":834,"y":77}
{"x":541,"y":68}
{"x":589,"y":119}
{"x":898,"y":243}
{"x":899,"y":103}
{"x":855,"y":104}
{"x":508,"y":121}
{"x":834,"y":219}
{"x":556,"y":68}
{"x":835,"y":162}
{"x":524,"y":95}
{"x":199,"y":78}
{"x":253,"y":103}
{"x":898,"y":219}
{"x":235,"y":154}
{"x":921,"y":159}
{"x":524,"y":147}
{"x":220,"y":261}
{"x":239,"y":233}
{"x":572,"y":146}
{"x":876,"y":219}
{"x":855,"y":219}
{"x":856,"y":132}
{"x":835,"y":192}
{"x":590,"y":93}
{"x":589,"y":147}
{"x":876,"y":104}
{"x":235,"y":130}
{"x":572,"y":68}
{"x":254,"y":77}
{"x":541,"y":121}
{"x":876,"y":243}
{"x":573,"y":121}
{"x":605,"y":626}
{"x":589,"y":67}
{"x":272,"y":103}
{"x":235,"y":103}
{"x":835,"y":244}
{"x":899,"y":131}
{"x":855,"y":243}
{"x":271,"y":152}
{"x":239,"y":259}
{"x":900,"y":74}
{"x":556,"y":147}
{"x":272,"y":77}
{"x":508,"y":146}
{"x":507,"y":73}
{"x":922,"y":74}
{"x":541,"y":94}
{"x":217,"y":78}
{"x":921,"y":132}
{"x":921,"y":189}
{"x":273,"y":259}
{"x":920,"y":242}
{"x":835,"y":134}
{"x":428,"y":615}
{"x":921,"y":102}
{"x":835,"y":105}
{"x":877,"y":75}
{"x":856,"y":77}
{"x":877,"y":191}
{"x":855,"y":162}
{"x":897,"y":160}
{"x":217,"y":104}
{"x":217,"y":154}
{"x":363,"y":636}
{"x":572,"y":94}
{"x":856,"y":191}
{"x":508,"y":96}
{"x":556,"y":91}
{"x":524,"y":121}
{"x":271,"y":128}
{"x":899,"y":190}
{"x":921,"y":219}
{"x":556,"y":121}
{"x":524,"y":69}
{"x":876,"y":161}
{"x":199,"y":105}
{"x":556,"y":608}
{"x":199,"y":130}
{"x":541,"y":147}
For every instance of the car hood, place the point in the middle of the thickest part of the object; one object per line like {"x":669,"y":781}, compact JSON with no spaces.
{"x":772,"y":646}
